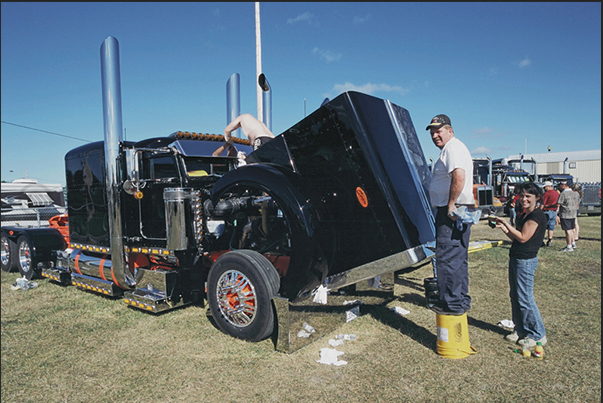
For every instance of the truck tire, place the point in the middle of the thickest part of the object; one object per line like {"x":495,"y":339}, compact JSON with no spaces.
{"x":8,"y":254}
{"x":24,"y":261}
{"x":240,"y":287}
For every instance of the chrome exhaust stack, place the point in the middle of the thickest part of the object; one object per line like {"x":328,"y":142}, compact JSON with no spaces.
{"x":111,"y":87}
{"x":233,"y":101}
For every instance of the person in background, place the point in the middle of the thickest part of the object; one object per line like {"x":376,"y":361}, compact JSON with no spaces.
{"x":451,"y":187}
{"x":527,"y":238}
{"x":578,"y":189}
{"x":256,"y":131}
{"x":513,"y":205}
{"x":549,"y":206}
{"x":566,"y":216}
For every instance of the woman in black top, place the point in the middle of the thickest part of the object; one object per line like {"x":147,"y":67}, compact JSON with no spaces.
{"x":523,"y":259}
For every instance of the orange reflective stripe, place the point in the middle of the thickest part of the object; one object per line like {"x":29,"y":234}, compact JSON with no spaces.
{"x":101,"y":266}
{"x":77,"y":263}
{"x":113,"y":277}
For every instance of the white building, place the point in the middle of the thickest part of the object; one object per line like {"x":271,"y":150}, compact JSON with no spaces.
{"x":584,"y":166}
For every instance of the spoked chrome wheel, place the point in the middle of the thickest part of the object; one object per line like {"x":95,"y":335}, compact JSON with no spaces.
{"x":24,"y":258}
{"x":236,"y":298}
{"x":240,"y":287}
{"x":8,"y":253}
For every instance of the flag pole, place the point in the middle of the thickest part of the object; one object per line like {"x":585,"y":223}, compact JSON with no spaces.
{"x":258,"y":60}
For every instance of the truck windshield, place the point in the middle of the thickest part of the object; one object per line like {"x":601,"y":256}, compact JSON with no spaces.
{"x":518,"y":178}
{"x":203,"y":166}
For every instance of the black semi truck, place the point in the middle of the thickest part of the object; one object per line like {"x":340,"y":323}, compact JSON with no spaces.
{"x":337,"y":198}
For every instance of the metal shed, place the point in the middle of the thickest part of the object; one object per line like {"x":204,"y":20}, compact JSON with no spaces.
{"x":584,"y":166}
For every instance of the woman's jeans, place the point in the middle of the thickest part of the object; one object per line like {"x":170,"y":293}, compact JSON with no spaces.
{"x":526,"y":316}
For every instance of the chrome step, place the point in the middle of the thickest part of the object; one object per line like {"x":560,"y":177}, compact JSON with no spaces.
{"x":97,"y":285}
{"x":61,"y":276}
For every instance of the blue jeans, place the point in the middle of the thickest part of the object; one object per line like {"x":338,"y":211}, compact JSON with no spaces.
{"x":526,"y":316}
{"x":451,"y":267}
{"x":551,"y":216}
{"x":512,"y":215}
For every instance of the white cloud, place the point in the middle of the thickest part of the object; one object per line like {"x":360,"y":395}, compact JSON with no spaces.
{"x":307,"y":16}
{"x":525,"y":62}
{"x":326,"y":54}
{"x":481,"y":150}
{"x":362,"y":20}
{"x":368,"y":88}
{"x":483,"y":132}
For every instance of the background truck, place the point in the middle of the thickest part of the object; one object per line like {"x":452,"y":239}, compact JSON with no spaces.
{"x":591,"y":201}
{"x":483,"y":191}
{"x":27,"y":203}
{"x":556,"y":179}
{"x":504,"y":179}
{"x":338,"y":198}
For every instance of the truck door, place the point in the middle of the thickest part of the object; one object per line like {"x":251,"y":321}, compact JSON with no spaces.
{"x":160,"y":171}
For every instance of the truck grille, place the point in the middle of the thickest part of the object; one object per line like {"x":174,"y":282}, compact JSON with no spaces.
{"x":485,"y":196}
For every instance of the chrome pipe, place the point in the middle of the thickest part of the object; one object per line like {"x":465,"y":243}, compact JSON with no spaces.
{"x":266,"y":101}
{"x":233,"y":101}
{"x":490,"y":179}
{"x":111,"y":88}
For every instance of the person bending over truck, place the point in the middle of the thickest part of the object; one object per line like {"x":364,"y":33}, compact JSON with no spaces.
{"x":256,"y":131}
{"x":451,"y":187}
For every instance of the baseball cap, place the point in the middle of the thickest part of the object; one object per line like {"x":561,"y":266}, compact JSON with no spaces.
{"x":439,"y":121}
{"x":547,"y":183}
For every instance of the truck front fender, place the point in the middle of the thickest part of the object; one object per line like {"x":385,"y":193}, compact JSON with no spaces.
{"x":278,"y":184}
{"x":307,"y":266}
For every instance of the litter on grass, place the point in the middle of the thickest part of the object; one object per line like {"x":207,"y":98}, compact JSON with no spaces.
{"x":507,"y":323}
{"x":23,"y":284}
{"x":321,"y":295}
{"x":329,"y":356}
{"x":303,"y":334}
{"x":399,"y":310}
{"x":352,"y":313}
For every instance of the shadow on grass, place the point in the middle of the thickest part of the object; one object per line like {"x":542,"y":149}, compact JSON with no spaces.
{"x":405,"y":326}
{"x":418,"y":333}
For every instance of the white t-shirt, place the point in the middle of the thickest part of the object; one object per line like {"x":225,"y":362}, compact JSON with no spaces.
{"x":454,"y":155}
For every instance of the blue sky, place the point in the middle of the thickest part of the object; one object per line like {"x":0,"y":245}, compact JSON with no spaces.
{"x":513,"y":77}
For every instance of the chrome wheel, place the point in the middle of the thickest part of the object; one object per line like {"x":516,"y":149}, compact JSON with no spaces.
{"x":236,"y":298}
{"x":24,"y":257}
{"x":8,"y":253}
{"x":240,"y":287}
{"x":5,"y":252}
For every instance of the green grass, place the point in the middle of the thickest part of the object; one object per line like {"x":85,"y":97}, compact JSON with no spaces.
{"x":60,"y":344}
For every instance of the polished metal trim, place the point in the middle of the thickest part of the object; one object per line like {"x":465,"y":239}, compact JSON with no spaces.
{"x":233,"y":101}
{"x":379,"y":267}
{"x":111,"y":89}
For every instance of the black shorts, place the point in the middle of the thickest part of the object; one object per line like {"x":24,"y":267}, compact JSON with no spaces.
{"x":567,"y":223}
{"x":260,"y":141}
